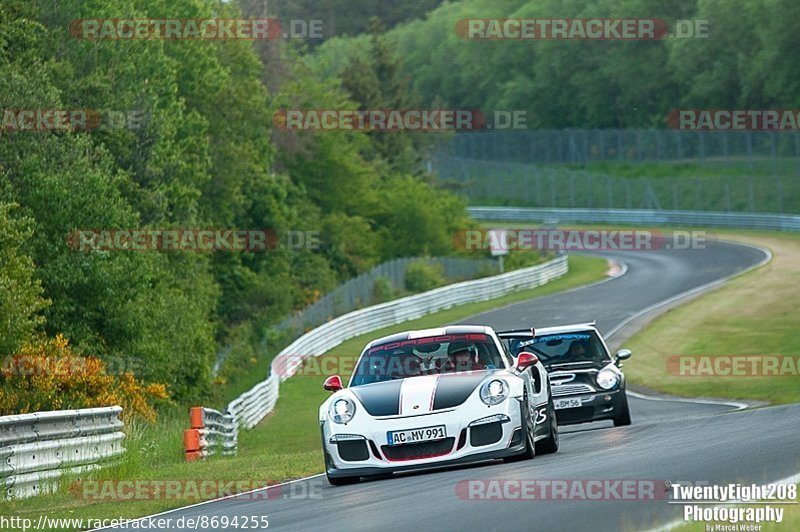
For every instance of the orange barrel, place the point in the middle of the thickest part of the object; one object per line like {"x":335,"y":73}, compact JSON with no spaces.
{"x":196,"y":417}
{"x":191,"y":444}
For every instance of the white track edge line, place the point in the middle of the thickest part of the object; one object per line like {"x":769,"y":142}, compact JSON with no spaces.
{"x":692,"y":291}
{"x":735,"y":404}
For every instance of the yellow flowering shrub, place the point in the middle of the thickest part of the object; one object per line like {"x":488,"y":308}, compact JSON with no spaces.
{"x":47,"y":375}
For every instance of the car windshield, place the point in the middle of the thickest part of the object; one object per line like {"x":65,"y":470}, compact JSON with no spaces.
{"x":427,"y":356}
{"x":562,"y":348}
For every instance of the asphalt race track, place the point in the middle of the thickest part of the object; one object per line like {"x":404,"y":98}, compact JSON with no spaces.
{"x":668,"y":440}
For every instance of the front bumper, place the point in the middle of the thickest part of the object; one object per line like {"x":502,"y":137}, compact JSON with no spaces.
{"x":470,"y":458}
{"x":361,"y":448}
{"x":594,"y":407}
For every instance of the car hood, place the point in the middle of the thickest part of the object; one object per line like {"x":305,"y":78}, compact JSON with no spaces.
{"x":418,"y":395}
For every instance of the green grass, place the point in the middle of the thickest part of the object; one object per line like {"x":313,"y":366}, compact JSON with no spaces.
{"x":155,"y":452}
{"x":754,"y":314}
{"x":791,"y":517}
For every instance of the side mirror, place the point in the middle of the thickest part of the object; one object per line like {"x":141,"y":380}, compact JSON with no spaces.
{"x":622,"y":354}
{"x":333,"y":383}
{"x":526,"y":360}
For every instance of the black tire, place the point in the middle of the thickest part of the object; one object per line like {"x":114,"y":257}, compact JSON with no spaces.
{"x":527,"y":429}
{"x":550,"y":444}
{"x":623,"y":419}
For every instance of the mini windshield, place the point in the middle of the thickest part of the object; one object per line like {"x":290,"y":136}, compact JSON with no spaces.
{"x":427,"y":356}
{"x":562,"y":348}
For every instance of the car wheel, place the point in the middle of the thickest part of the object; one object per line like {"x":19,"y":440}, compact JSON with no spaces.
{"x":624,"y":417}
{"x":527,"y":429}
{"x":549,"y":445}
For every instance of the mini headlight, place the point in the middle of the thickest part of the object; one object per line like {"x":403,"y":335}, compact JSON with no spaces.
{"x":494,"y":392}
{"x":342,"y":410}
{"x":607,"y":379}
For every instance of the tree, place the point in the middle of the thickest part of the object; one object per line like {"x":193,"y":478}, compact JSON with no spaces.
{"x":377,"y":81}
{"x":21,"y":301}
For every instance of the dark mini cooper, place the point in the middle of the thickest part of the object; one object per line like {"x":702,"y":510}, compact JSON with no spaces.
{"x":587,"y":385}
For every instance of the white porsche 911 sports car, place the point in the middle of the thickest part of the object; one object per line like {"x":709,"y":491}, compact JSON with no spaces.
{"x":436,"y":397}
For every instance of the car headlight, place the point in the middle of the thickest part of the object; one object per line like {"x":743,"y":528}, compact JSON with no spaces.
{"x":342,"y":410}
{"x":494,"y":392}
{"x":607,"y":379}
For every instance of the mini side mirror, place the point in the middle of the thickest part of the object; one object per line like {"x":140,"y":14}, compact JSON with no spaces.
{"x":333,"y":383}
{"x":622,"y":354}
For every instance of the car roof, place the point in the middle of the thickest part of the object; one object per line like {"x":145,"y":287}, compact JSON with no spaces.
{"x":559,"y":329}
{"x":438,"y":331}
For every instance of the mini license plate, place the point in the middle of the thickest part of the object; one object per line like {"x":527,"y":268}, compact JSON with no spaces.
{"x":400,"y":437}
{"x":560,"y":404}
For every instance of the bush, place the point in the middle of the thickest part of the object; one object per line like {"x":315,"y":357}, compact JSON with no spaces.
{"x":383,"y":291}
{"x":47,"y":375}
{"x":422,"y":276}
{"x":518,"y":259}
{"x":418,"y":219}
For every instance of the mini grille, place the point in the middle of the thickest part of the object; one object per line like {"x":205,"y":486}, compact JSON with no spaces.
{"x":571,"y":389}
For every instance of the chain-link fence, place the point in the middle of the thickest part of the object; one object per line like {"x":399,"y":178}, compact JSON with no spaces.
{"x":772,"y":152}
{"x":364,"y":290}
{"x":361,"y":291}
{"x":501,"y":183}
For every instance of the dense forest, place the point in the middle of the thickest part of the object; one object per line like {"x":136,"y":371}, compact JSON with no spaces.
{"x":204,"y":155}
{"x":598,"y":84}
{"x":346,"y":17}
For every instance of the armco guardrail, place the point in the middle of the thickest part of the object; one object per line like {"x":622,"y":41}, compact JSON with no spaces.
{"x":37,"y":449}
{"x":776,"y":222}
{"x":249,"y":408}
{"x":212,"y":432}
